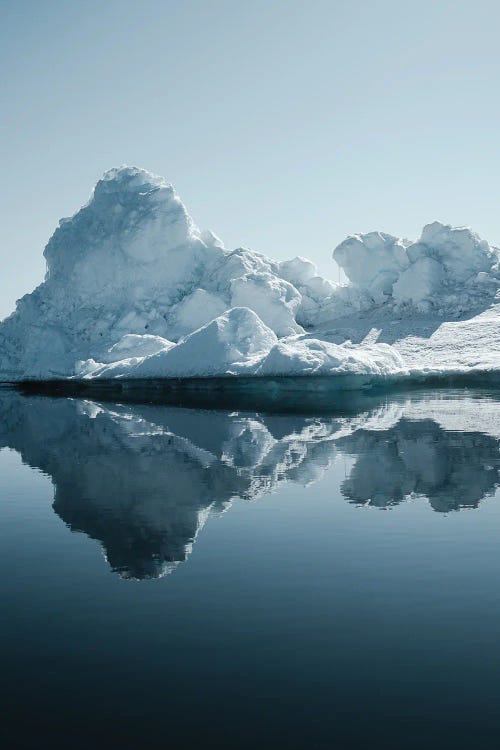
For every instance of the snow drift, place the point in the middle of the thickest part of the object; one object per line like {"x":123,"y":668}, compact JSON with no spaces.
{"x":134,"y":289}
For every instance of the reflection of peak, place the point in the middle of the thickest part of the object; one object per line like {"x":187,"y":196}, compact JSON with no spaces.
{"x":418,"y":458}
{"x":143,"y":491}
{"x":142,"y":480}
{"x":148,"y":491}
{"x":144,"y":533}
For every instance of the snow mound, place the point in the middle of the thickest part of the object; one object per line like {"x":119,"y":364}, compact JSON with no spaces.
{"x":196,"y":309}
{"x":316,"y":357}
{"x":239,"y":343}
{"x":132,"y":262}
{"x":448,"y":271}
{"x":317,"y":294}
{"x":273,"y":299}
{"x":372,"y":261}
{"x":230,"y":343}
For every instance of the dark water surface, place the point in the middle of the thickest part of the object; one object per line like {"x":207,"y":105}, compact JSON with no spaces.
{"x":181,"y":578}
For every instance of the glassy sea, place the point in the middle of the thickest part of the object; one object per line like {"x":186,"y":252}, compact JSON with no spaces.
{"x":176,"y":577}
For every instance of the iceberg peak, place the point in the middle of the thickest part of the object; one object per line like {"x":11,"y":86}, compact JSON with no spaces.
{"x":133,"y":217}
{"x":133,"y":179}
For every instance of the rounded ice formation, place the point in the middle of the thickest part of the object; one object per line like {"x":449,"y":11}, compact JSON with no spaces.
{"x":437,"y":273}
{"x":274,"y":299}
{"x":372,"y":260}
{"x":134,"y":289}
{"x":196,"y":309}
{"x":231,"y":343}
{"x":316,"y":357}
{"x":239,"y":343}
{"x":132,"y":262}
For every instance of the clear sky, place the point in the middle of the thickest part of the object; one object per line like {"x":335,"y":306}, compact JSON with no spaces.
{"x":283,"y":125}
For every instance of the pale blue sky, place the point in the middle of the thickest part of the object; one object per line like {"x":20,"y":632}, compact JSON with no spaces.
{"x":284,"y":125}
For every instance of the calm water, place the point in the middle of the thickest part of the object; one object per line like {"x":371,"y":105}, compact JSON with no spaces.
{"x":181,"y":578}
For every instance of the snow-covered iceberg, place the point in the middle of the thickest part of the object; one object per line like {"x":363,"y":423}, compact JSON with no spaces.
{"x":130,"y":274}
{"x":135,"y":290}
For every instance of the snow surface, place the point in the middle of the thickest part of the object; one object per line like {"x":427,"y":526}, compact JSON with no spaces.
{"x":135,"y":290}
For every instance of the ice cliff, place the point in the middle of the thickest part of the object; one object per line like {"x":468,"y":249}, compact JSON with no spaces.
{"x":135,"y":289}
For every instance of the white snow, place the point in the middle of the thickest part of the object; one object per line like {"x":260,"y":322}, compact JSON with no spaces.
{"x":298,"y":271}
{"x":316,"y":357}
{"x":239,"y":343}
{"x":196,"y":309}
{"x":419,"y":282}
{"x":448,"y":271}
{"x":135,"y":289}
{"x":138,"y":346}
{"x":231,"y":343}
{"x":274,"y":299}
{"x":372,"y":261}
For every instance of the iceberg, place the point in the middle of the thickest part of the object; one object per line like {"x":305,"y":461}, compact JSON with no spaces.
{"x":134,"y":290}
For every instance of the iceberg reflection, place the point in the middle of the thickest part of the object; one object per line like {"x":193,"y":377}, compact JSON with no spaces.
{"x":142,"y":480}
{"x":452,"y":470}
